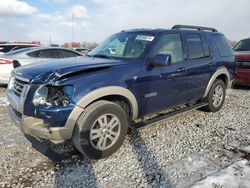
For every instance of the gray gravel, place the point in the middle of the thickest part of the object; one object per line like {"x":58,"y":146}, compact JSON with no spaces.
{"x":175,"y":153}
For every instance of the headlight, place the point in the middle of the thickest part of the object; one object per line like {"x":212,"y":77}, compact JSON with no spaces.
{"x":53,"y":95}
{"x":40,"y":96}
{"x":11,"y":83}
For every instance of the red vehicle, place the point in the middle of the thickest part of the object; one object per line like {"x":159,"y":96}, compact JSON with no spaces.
{"x":242,"y":68}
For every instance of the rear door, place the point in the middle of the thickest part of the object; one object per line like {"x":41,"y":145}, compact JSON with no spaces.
{"x":199,"y":64}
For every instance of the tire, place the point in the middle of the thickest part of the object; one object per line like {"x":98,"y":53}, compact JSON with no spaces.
{"x":91,"y":130}
{"x":215,"y":97}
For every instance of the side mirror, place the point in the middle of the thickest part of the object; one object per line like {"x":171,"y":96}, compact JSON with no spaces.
{"x":160,"y":60}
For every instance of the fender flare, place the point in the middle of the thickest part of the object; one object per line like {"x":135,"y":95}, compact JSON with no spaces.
{"x":218,"y":72}
{"x":95,"y":95}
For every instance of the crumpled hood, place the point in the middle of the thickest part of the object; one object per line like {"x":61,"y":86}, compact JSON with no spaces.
{"x":50,"y":71}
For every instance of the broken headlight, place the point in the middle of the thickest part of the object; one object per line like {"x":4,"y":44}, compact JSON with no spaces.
{"x":53,"y":95}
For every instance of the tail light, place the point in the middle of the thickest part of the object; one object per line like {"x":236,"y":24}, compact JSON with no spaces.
{"x":5,"y":61}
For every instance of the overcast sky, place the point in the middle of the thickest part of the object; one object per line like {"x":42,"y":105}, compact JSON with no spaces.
{"x":94,"y":20}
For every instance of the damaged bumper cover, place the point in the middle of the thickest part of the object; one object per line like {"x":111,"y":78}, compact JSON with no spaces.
{"x":37,"y":128}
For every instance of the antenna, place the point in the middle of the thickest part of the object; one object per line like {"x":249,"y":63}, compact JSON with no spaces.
{"x":73,"y":28}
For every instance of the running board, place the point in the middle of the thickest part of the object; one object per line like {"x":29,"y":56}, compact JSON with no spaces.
{"x":162,"y":117}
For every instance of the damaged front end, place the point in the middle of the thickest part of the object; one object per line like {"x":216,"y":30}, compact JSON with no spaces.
{"x":40,"y":110}
{"x":53,"y":95}
{"x":42,"y":97}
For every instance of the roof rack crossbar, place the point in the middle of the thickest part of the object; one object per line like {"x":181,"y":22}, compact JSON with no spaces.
{"x":194,"y":27}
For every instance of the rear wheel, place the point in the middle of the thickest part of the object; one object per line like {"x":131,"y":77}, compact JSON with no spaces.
{"x":100,"y":130}
{"x":216,"y":96}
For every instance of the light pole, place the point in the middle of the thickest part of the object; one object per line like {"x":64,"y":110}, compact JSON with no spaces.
{"x":73,"y":28}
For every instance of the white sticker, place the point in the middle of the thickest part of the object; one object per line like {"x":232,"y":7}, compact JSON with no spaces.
{"x":145,"y":37}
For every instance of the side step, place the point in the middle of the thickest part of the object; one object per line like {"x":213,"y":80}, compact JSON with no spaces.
{"x":162,"y":117}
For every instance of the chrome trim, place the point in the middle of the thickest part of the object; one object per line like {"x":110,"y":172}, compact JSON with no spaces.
{"x":21,"y":78}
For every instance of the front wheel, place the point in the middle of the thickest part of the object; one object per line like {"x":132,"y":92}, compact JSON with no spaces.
{"x":100,"y":130}
{"x":216,"y":96}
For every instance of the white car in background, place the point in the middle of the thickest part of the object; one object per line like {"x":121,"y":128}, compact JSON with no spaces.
{"x":13,"y":59}
{"x":5,"y":48}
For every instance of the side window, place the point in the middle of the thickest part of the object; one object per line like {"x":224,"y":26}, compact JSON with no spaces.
{"x":222,"y":45}
{"x":6,"y":48}
{"x":170,"y":44}
{"x":67,"y":53}
{"x":50,"y":53}
{"x":195,"y":48}
{"x":34,"y":54}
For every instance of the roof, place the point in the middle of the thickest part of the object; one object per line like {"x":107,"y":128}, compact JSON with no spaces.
{"x":15,"y":44}
{"x":176,"y":27}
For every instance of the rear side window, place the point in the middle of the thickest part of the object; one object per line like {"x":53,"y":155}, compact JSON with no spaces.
{"x":222,"y":45}
{"x":34,"y":54}
{"x":50,"y":53}
{"x":195,"y":47}
{"x":67,"y":53}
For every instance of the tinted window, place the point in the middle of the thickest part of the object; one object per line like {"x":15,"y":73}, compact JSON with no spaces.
{"x":243,"y":45}
{"x":6,"y":48}
{"x":15,"y":52}
{"x":222,"y":45}
{"x":170,"y":44}
{"x":195,"y":47}
{"x":51,"y":53}
{"x":34,"y":54}
{"x":67,"y":53}
{"x":21,"y":47}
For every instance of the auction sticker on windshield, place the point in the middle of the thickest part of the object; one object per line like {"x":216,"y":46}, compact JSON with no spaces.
{"x":145,"y":37}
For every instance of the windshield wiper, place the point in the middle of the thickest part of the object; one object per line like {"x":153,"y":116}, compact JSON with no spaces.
{"x":100,"y":56}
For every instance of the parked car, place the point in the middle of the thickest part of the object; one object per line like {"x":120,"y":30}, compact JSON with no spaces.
{"x":93,"y":100}
{"x":4,"y":48}
{"x":242,"y":54}
{"x":25,"y":56}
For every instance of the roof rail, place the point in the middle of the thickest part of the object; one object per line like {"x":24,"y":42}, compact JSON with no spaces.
{"x":194,"y":27}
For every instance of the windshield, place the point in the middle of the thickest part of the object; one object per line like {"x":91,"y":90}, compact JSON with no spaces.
{"x":243,"y":45}
{"x":123,"y":45}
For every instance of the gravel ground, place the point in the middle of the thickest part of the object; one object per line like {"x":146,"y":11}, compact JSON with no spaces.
{"x":176,"y":153}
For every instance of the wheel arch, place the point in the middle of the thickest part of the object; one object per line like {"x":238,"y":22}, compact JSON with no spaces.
{"x":222,"y":74}
{"x":101,"y":94}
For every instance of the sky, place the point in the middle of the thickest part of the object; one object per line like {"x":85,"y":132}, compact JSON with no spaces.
{"x":94,"y":20}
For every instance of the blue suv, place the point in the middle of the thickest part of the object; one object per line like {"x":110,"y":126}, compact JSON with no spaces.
{"x":135,"y":73}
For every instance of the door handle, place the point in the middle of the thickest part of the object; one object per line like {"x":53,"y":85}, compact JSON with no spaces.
{"x":211,"y":64}
{"x":182,"y":69}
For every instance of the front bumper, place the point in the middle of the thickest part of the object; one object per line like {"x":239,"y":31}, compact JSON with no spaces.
{"x":242,"y":77}
{"x":37,"y":128}
{"x":5,"y":72}
{"x":40,"y":126}
{"x":4,"y":80}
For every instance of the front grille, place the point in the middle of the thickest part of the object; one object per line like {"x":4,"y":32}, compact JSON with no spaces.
{"x":18,"y":86}
{"x":243,"y":64}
